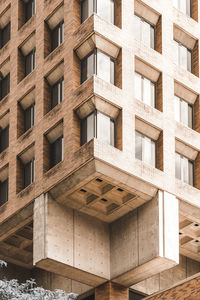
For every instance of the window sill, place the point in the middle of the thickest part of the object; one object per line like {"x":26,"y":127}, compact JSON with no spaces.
{"x":27,"y":78}
{"x":27,"y":23}
{"x":55,"y":52}
{"x":26,"y":134}
{"x":27,"y":190}
{"x":3,"y":205}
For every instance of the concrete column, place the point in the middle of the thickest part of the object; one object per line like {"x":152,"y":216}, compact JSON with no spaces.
{"x":111,"y":291}
{"x":145,"y":241}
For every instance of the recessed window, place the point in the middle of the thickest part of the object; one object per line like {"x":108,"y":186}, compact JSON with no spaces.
{"x":4,"y":86}
{"x":104,"y":8}
{"x":30,"y":8}
{"x":184,"y":6}
{"x":100,"y":64}
{"x":57,"y":151}
{"x":136,"y":295}
{"x":4,"y":138}
{"x":29,"y":172}
{"x":100,"y":126}
{"x":184,"y":169}
{"x":29,"y":62}
{"x":183,"y":112}
{"x":3,"y":192}
{"x":57,"y":93}
{"x":4,"y":35}
{"x":29,"y":117}
{"x":183,"y":56}
{"x":144,"y":32}
{"x":145,"y":90}
{"x":145,"y":149}
{"x":57,"y":36}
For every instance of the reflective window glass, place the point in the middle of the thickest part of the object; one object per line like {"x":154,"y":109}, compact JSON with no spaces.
{"x":29,"y":117}
{"x":138,"y":145}
{"x":103,"y":128}
{"x":145,"y":149}
{"x":105,"y":9}
{"x":138,"y":86}
{"x":183,"y":112}
{"x":103,"y":66}
{"x":184,"y":169}
{"x":29,"y":173}
{"x":3,"y":192}
{"x":4,"y":35}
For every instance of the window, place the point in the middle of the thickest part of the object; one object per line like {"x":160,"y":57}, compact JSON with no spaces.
{"x":29,"y":172}
{"x":184,"y":169}
{"x":3,"y":192}
{"x":29,"y":9}
{"x":57,"y":35}
{"x":183,"y":112}
{"x":100,"y":126}
{"x":183,"y":56}
{"x":145,"y":90}
{"x":104,"y":8}
{"x":5,"y":35}
{"x":183,"y":5}
{"x":145,"y":32}
{"x":29,"y":117}
{"x":100,"y":64}
{"x":4,"y":139}
{"x":145,"y":149}
{"x":57,"y":151}
{"x":30,"y":62}
{"x":5,"y":86}
{"x":57,"y":93}
{"x":89,"y":298}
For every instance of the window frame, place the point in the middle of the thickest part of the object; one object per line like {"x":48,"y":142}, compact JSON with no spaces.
{"x":94,"y":52}
{"x":180,"y":112}
{"x":32,"y":172}
{"x":60,"y":82}
{"x":143,"y":147}
{"x":95,"y":112}
{"x":53,"y":160}
{"x":181,"y":157}
{"x":142,"y":90}
{"x":32,"y":116}
{"x":95,"y":11}
{"x":60,"y":28}
{"x":32,"y":56}
{"x":7,"y":88}
{"x":179,"y":44}
{"x":6,"y":181}
{"x":4,"y":135}
{"x":151,"y":26}
{"x":33,"y":8}
{"x":2,"y":32}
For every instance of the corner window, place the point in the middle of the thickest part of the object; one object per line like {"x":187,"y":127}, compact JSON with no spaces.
{"x":100,"y":64}
{"x":57,"y":93}
{"x":29,"y":117}
{"x":4,"y":86}
{"x":30,"y":62}
{"x":104,"y":8}
{"x":30,"y":8}
{"x":184,"y":169}
{"x":5,"y":35}
{"x":183,"y":112}
{"x":145,"y":32}
{"x":145,"y":90}
{"x":100,"y":126}
{"x":29,"y":172}
{"x":184,"y":6}
{"x":57,"y":35}
{"x":145,"y":149}
{"x":57,"y":151}
{"x":183,"y":56}
{"x":4,"y":139}
{"x":3,"y":192}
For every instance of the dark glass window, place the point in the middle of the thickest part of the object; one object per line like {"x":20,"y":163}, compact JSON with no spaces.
{"x":57,"y":93}
{"x":100,"y":126}
{"x":100,"y":64}
{"x":29,"y":9}
{"x":104,"y":8}
{"x":29,"y":117}
{"x":135,"y":296}
{"x":57,"y":151}
{"x":5,"y":35}
{"x":29,"y":172}
{"x":89,"y":298}
{"x":5,"y":86}
{"x":30,"y":62}
{"x":3,"y":192}
{"x":4,"y":139}
{"x":57,"y":35}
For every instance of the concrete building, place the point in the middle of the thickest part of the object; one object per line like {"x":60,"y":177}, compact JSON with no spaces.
{"x":100,"y":147}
